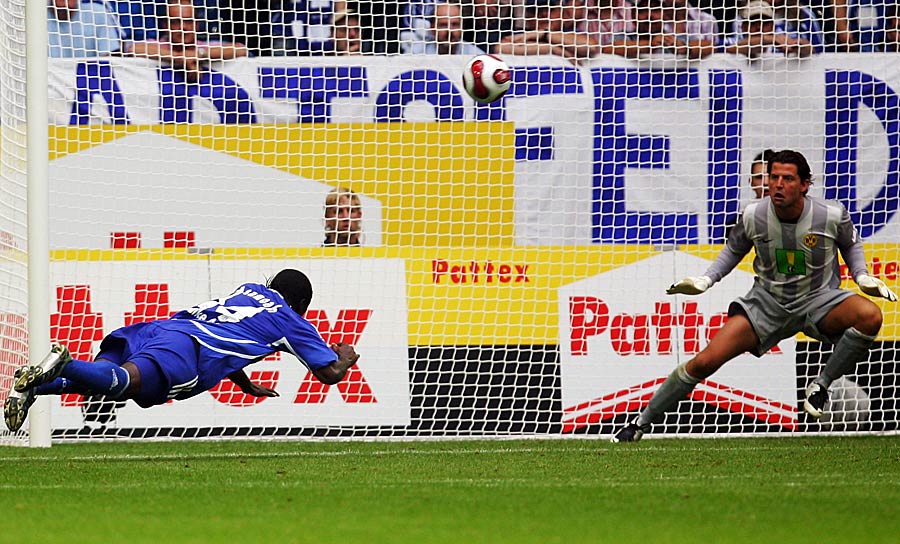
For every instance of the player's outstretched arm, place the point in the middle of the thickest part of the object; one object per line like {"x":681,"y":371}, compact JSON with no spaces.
{"x":335,"y":372}
{"x":874,"y":287}
{"x":243,"y":382}
{"x":692,"y":285}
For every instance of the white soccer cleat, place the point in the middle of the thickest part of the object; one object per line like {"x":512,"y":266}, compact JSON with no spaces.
{"x":16,"y":407}
{"x":28,"y":377}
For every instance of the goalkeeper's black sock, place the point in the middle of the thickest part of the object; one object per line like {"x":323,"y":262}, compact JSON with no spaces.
{"x":852,"y":348}
{"x":676,"y":387}
{"x":100,"y":377}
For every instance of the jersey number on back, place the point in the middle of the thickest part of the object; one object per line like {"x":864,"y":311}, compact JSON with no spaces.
{"x":214,"y":311}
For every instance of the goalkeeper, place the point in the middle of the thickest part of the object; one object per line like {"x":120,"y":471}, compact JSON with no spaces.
{"x":796,"y":239}
{"x":192,"y":351}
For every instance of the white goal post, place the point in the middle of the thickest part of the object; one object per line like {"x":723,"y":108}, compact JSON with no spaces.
{"x":501,"y":268}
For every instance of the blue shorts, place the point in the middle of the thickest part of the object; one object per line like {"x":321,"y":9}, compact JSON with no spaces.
{"x":166,"y":360}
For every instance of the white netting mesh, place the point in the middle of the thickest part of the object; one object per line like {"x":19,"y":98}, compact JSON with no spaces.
{"x":510,"y":269}
{"x":13,"y":240}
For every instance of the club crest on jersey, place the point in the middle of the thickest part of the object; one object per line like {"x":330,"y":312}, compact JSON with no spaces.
{"x":810,"y":240}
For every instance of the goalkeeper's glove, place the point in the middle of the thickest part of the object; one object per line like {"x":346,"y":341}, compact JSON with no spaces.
{"x":874,"y":287}
{"x":693,"y":285}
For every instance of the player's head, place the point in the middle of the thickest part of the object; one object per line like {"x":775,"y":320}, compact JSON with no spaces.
{"x":295,"y":287}
{"x":343,"y":218}
{"x":789,"y":156}
{"x":180,"y":23}
{"x":759,"y":173}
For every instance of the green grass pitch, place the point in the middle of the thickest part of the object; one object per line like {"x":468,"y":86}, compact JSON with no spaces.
{"x":768,"y":490}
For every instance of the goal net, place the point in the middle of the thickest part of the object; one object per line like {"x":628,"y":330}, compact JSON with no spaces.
{"x":13,"y":224}
{"x":501,"y":268}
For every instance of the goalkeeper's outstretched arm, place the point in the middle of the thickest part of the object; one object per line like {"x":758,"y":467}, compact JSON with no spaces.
{"x":737,"y":246}
{"x":851,"y":248}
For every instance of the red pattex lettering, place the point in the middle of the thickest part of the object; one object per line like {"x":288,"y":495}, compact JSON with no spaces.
{"x":642,"y":334}
{"x":588,"y":316}
{"x":354,"y":388}
{"x":76,"y":326}
{"x":885,"y":270}
{"x":444,"y":272}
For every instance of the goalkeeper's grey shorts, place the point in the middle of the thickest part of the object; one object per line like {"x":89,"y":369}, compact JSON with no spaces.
{"x":773,"y":322}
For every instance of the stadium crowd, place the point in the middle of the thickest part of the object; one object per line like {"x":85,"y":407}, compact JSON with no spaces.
{"x":575,"y":29}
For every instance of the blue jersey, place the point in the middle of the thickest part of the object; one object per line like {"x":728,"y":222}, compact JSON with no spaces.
{"x":231,"y":332}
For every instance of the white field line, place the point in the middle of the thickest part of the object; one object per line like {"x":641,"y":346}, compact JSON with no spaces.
{"x":700,"y":447}
{"x":796,"y":481}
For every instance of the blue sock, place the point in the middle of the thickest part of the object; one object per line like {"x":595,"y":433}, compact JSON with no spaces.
{"x":100,"y":377}
{"x":61,"y":385}
{"x":56,"y":387}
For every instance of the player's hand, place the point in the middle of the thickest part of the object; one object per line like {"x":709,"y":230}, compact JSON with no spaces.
{"x":345,"y":352}
{"x":256,"y":390}
{"x":692,"y":285}
{"x":874,"y":287}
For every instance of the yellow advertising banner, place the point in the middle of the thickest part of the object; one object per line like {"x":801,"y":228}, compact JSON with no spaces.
{"x":487,"y":296}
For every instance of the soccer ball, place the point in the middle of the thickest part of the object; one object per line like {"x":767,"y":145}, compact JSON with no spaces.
{"x":486,"y":78}
{"x":848,"y":408}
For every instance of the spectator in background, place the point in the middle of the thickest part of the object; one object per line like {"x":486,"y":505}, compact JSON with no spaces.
{"x":862,"y":25}
{"x":800,"y":21}
{"x":609,"y":19}
{"x":759,"y":182}
{"x":446,"y":34}
{"x":416,"y":23}
{"x":485,"y":23}
{"x":792,"y":18}
{"x":78,"y":28}
{"x":302,"y":27}
{"x":346,"y":34}
{"x":892,"y":30}
{"x":249,"y":22}
{"x":759,"y":173}
{"x":836,"y":26}
{"x":490,"y":21}
{"x":655,"y":33}
{"x":689,"y":23}
{"x":343,"y":216}
{"x":760,"y":35}
{"x":553,"y":27}
{"x":380,"y":23}
{"x":137,"y":18}
{"x":179,"y":47}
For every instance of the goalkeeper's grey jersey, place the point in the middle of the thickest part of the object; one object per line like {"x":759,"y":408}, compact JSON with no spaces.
{"x":793,"y":259}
